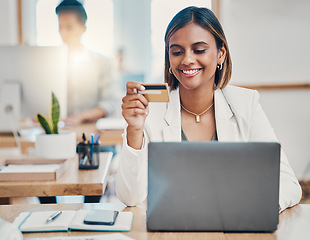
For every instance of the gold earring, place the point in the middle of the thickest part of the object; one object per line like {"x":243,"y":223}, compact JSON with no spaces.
{"x":170,"y":71}
{"x":220,"y":67}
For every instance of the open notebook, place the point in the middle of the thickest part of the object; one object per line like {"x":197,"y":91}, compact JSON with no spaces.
{"x":67,"y":221}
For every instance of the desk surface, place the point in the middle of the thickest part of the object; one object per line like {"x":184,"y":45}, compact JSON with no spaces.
{"x":294,"y":224}
{"x":72,"y":182}
{"x":108,"y":137}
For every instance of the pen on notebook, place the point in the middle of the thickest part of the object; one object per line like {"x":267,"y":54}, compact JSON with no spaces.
{"x":53,"y":216}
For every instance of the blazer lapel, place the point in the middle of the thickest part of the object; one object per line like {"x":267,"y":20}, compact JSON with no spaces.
{"x":172,"y":133}
{"x":226,"y":124}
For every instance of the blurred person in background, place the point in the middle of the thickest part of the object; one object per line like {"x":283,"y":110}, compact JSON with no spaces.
{"x":92,"y":83}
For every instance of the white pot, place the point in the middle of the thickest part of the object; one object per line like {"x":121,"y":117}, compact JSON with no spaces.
{"x":56,"y":146}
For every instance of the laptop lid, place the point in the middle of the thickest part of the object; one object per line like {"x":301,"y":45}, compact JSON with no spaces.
{"x":213,"y":186}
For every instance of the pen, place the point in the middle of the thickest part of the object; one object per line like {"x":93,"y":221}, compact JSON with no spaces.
{"x":80,"y":145}
{"x":91,"y":148}
{"x":53,"y":216}
{"x":83,"y":160}
{"x":84,"y":138}
{"x":97,"y":138}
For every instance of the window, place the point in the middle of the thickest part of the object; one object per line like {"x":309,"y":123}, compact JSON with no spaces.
{"x":162,"y":12}
{"x":99,"y":33}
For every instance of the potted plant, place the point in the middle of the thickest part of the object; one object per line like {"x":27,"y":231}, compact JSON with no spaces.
{"x":54,"y":144}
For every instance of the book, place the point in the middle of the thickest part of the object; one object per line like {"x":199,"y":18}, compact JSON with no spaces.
{"x":31,"y":169}
{"x":67,"y":221}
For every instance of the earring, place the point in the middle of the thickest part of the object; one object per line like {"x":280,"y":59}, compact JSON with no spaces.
{"x":170,"y":71}
{"x":220,"y":66}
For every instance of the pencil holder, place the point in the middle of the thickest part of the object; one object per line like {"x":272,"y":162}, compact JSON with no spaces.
{"x":88,"y":155}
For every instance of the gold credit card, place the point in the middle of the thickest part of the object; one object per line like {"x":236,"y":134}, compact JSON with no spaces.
{"x":156,"y":92}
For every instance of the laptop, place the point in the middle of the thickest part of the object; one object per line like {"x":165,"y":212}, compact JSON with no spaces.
{"x":213,"y":186}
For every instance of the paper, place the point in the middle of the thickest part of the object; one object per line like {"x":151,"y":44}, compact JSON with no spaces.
{"x":30,"y":134}
{"x":110,"y":123}
{"x":21,"y":168}
{"x":117,"y":206}
{"x":113,"y":236}
{"x":10,"y":151}
{"x":36,"y":221}
{"x":122,"y":223}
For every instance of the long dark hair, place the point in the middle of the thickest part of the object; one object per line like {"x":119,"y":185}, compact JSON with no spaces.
{"x":205,"y":18}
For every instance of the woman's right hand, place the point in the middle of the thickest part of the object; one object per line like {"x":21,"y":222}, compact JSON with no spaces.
{"x":134,"y":111}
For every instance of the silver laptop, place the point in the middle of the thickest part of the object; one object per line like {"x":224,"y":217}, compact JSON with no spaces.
{"x":213,"y":186}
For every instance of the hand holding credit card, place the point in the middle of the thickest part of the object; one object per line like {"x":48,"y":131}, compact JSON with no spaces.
{"x":156,"y":92}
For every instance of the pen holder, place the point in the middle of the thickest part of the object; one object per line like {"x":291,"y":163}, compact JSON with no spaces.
{"x":88,"y":155}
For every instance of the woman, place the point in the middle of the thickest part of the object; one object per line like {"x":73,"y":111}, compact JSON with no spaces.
{"x":202,"y":107}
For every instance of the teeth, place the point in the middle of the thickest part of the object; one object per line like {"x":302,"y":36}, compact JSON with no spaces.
{"x":190,"y":71}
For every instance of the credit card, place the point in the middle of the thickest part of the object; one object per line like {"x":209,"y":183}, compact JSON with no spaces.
{"x":156,"y":92}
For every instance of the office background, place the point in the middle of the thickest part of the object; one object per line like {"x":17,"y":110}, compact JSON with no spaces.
{"x":269,"y":42}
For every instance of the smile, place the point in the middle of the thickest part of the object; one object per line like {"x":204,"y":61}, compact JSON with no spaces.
{"x":191,"y":72}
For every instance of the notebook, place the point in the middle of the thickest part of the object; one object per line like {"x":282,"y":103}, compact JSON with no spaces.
{"x":67,"y":221}
{"x":213,"y":186}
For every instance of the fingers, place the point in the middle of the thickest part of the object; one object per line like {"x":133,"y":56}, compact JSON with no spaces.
{"x":135,"y":100}
{"x":135,"y":104}
{"x":133,"y":87}
{"x":134,"y":112}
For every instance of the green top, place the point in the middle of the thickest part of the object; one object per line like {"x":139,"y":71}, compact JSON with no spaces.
{"x":184,"y":138}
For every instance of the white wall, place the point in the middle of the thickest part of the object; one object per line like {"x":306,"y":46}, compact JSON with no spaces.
{"x":133,"y":34}
{"x":8,"y":22}
{"x":269,"y":40}
{"x":269,"y":43}
{"x":29,"y":21}
{"x":289,"y":114}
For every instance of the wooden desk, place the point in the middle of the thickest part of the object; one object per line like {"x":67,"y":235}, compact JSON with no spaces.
{"x":108,"y":137}
{"x":72,"y":182}
{"x":294,"y":224}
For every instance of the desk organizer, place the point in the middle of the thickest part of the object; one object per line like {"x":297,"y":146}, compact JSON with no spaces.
{"x":88,"y":155}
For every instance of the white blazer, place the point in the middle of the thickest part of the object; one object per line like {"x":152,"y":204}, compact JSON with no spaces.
{"x":238,"y":117}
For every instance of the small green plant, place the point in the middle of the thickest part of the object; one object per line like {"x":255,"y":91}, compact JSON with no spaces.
{"x":51,"y":127}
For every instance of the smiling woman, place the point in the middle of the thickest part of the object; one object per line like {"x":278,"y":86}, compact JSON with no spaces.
{"x":195,"y":54}
{"x":194,"y":33}
{"x":202,"y":106}
{"x":159,"y":19}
